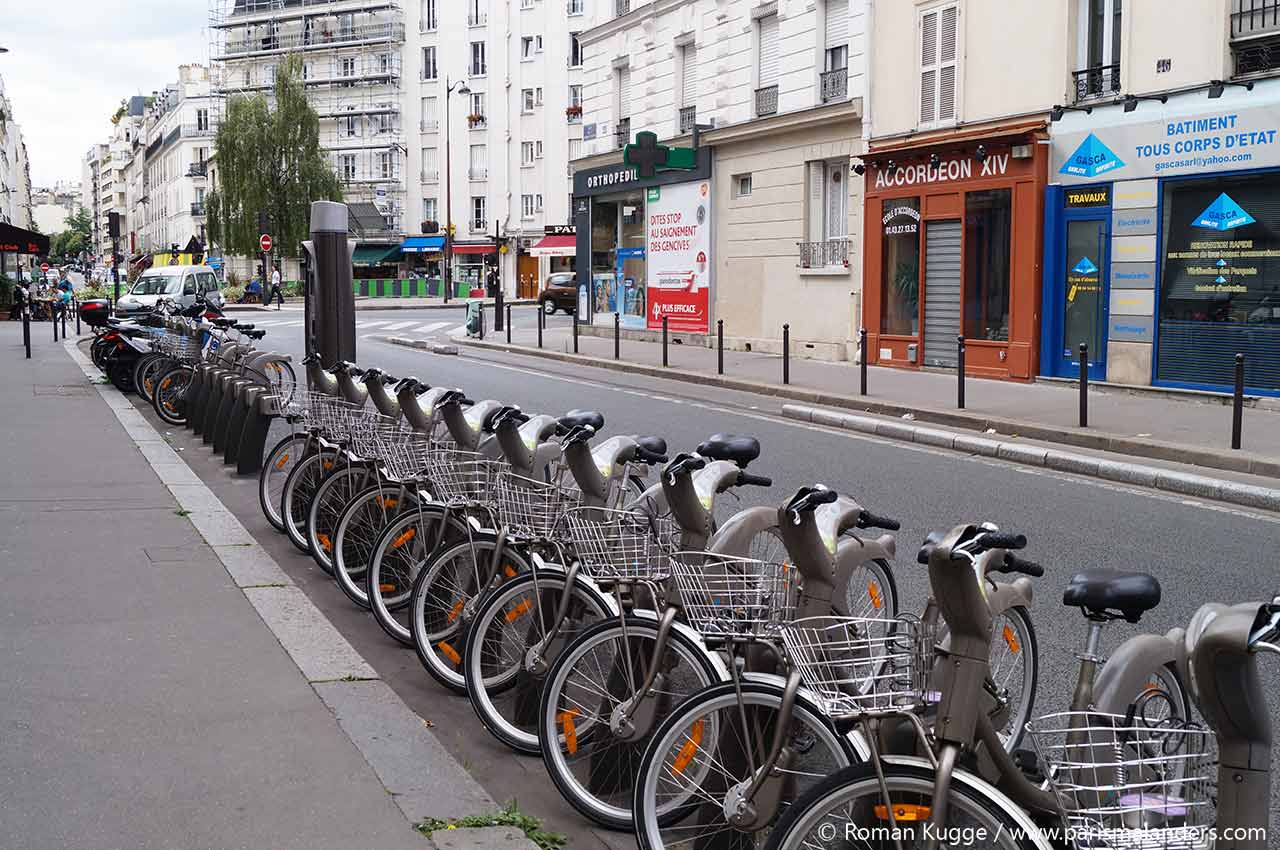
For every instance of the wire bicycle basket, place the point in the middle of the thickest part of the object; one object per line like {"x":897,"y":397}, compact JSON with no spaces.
{"x":730,"y":596}
{"x":616,"y":545}
{"x":461,"y":478}
{"x":329,"y":414}
{"x":857,"y":664}
{"x":403,"y":452}
{"x":530,"y":508}
{"x":1126,"y":785}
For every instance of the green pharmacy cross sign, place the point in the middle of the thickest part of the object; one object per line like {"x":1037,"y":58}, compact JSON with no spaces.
{"x":648,"y":156}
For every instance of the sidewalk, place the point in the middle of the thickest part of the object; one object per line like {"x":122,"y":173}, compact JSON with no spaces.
{"x":387,"y":304}
{"x":1190,"y":428}
{"x":166,"y":685}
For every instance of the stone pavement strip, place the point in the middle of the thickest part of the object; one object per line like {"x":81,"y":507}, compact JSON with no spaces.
{"x":147,"y":706}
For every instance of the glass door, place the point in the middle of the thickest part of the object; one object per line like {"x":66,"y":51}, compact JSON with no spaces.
{"x":1085,"y":296}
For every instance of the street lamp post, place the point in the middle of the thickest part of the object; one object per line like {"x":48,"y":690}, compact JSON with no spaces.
{"x":463,"y":89}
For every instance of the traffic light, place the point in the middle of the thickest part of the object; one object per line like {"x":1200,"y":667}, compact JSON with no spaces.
{"x":263,"y":223}
{"x":113,"y":225}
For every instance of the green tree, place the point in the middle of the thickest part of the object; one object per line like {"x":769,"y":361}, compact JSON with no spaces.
{"x":76,"y":238}
{"x":269,"y":160}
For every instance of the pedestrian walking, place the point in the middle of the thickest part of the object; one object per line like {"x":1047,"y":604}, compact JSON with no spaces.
{"x":277,"y":294}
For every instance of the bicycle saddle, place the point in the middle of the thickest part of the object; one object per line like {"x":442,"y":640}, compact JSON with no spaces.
{"x":255,"y":334}
{"x":740,"y":450}
{"x":578,"y":418}
{"x":1102,"y":593}
{"x":493,"y":417}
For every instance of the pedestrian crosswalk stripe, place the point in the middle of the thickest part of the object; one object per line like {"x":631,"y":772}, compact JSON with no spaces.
{"x":434,"y":326}
{"x":290,"y":324}
{"x":399,"y":326}
{"x":370,"y":324}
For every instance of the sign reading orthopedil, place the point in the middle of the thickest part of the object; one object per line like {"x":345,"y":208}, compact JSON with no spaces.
{"x":1223,"y":214}
{"x":1091,"y":159}
{"x":1085,"y":266}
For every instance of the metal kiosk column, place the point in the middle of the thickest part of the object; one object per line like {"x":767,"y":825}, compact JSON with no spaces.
{"x":330,"y":303}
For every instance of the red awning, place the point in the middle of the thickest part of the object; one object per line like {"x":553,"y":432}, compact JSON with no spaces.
{"x":474,"y":249}
{"x":555,"y":246}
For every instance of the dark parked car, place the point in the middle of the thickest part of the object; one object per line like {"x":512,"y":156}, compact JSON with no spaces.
{"x":559,"y":293}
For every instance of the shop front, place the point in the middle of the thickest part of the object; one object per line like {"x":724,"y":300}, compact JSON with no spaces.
{"x":1162,"y":248}
{"x":472,"y":264}
{"x":643,"y":245}
{"x":953,"y":229}
{"x":556,"y":251}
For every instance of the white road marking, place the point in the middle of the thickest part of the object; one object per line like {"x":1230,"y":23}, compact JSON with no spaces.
{"x":399,"y":326}
{"x":370,"y":324}
{"x":291,"y":324}
{"x":434,"y":326}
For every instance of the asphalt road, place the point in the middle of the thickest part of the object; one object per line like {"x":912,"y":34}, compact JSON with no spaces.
{"x":1199,"y":551}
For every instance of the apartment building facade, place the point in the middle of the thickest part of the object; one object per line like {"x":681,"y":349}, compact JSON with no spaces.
{"x":763,"y":229}
{"x":1161,"y":221}
{"x":15,"y":179}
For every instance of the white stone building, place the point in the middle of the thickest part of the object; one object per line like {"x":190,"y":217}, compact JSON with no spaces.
{"x":15,"y":178}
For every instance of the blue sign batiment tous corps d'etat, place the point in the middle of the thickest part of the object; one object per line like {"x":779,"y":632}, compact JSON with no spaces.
{"x":1085,"y":266}
{"x":1091,"y":159}
{"x":1223,"y":214}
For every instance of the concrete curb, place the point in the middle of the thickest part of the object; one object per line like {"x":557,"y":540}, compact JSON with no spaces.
{"x":1078,"y":437}
{"x":420,"y":344}
{"x":407,"y":758}
{"x":1186,"y":484}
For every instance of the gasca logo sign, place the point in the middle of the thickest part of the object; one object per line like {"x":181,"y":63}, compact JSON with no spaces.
{"x":1223,"y":214}
{"x":1091,"y":159}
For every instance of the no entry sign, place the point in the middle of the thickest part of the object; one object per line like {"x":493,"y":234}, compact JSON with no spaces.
{"x":264,"y":242}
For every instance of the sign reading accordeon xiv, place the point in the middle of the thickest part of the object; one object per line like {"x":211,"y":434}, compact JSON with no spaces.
{"x":1189,"y":135}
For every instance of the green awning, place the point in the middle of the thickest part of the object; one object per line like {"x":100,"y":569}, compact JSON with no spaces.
{"x":375,"y":255}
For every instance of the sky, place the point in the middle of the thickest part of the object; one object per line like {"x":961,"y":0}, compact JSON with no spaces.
{"x":71,"y":61}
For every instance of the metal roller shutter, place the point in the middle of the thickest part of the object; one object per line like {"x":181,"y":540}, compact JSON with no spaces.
{"x":770,"y":54}
{"x":837,"y":23}
{"x":689,"y":82}
{"x":941,"y":292}
{"x":624,"y":93}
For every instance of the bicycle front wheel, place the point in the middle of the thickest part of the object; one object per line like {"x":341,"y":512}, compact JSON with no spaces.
{"x":504,"y":686}
{"x":399,"y":553}
{"x":591,"y":750}
{"x":299,"y":489}
{"x":275,"y":471}
{"x":331,"y":499}
{"x":709,"y":747}
{"x":848,"y":810}
{"x":170,"y":397}
{"x":357,"y":532}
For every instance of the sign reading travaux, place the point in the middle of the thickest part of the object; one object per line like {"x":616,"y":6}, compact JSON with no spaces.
{"x":1191,"y":134}
{"x":678,"y":267}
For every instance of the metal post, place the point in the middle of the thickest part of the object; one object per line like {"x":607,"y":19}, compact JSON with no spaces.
{"x":508,"y":324}
{"x":617,"y":337}
{"x":1237,"y":404}
{"x":540,"y":321}
{"x":665,"y":362}
{"x":862,"y":367}
{"x":497,"y":303}
{"x":64,"y":319}
{"x":53,"y":316}
{"x":480,"y":331}
{"x":575,"y":330}
{"x":960,"y":372}
{"x":1084,"y":385}
{"x":719,"y":346}
{"x":115,"y":271}
{"x":26,"y":327}
{"x":786,"y":354}
{"x":75,"y":304}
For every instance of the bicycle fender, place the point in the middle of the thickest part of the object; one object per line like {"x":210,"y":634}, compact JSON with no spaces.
{"x":1006,"y":595}
{"x":716,"y":661}
{"x":982,"y":788}
{"x":1128,"y":670}
{"x":735,"y":536}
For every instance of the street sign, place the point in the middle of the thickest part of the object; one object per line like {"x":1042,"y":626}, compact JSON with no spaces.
{"x":44,"y":267}
{"x":264,"y":242}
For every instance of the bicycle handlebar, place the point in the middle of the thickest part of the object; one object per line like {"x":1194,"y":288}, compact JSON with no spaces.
{"x":870,"y":520}
{"x":1014,"y":564}
{"x":746,"y":479}
{"x":809,"y":498}
{"x":1001,"y":540}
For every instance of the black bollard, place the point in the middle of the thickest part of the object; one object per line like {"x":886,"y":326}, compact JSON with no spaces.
{"x":480,"y":333}
{"x":53,"y":315}
{"x":76,"y":306}
{"x":64,"y":322}
{"x":1084,"y":385}
{"x":960,"y":372}
{"x":575,"y":331}
{"x":508,"y":324}
{"x":497,"y":310}
{"x":26,"y":330}
{"x":786,"y":354}
{"x":617,"y":337}
{"x":541,"y":320}
{"x":862,"y":367}
{"x":719,"y":346}
{"x":664,"y":341}
{"x":1237,"y":404}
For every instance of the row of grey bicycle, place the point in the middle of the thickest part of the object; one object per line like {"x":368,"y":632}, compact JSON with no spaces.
{"x":718,"y":678}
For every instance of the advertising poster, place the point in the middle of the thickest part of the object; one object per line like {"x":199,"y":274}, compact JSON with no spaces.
{"x":679,"y":256}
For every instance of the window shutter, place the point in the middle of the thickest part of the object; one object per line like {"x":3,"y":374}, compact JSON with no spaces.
{"x":770,"y":59}
{"x":689,"y":84}
{"x":817,"y":200}
{"x":837,"y":201}
{"x":624,"y":93}
{"x":837,"y":23}
{"x":928,"y":67}
{"x":947,"y":64}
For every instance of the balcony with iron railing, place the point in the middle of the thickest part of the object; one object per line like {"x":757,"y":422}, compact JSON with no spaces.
{"x":831,"y":253}
{"x":622,"y":133}
{"x":575,"y":7}
{"x":477,"y":19}
{"x":478,"y":225}
{"x":688,"y":117}
{"x":478,"y":173}
{"x":767,"y":101}
{"x":316,"y":38}
{"x":1255,"y":36}
{"x":834,"y":85}
{"x":190,"y":131}
{"x":621,"y":7}
{"x":197,"y":209}
{"x":1098,"y":81}
{"x":429,"y":125}
{"x":198,"y":169}
{"x":432,"y":176}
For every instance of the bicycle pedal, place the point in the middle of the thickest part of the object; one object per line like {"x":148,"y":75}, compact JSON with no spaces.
{"x":1029,"y":764}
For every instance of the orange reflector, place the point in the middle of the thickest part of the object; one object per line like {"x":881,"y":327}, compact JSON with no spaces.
{"x":454,"y":611}
{"x":325,"y":542}
{"x":904,"y":812}
{"x":690,"y":747}
{"x":390,"y":503}
{"x":282,"y":461}
{"x":509,"y":571}
{"x":386,"y":588}
{"x":164,"y":385}
{"x":449,"y":652}
{"x":876,"y":599}
{"x":519,"y":611}
{"x":1012,"y":640}
{"x":568,"y":730}
{"x":327,"y":464}
{"x":408,"y":535}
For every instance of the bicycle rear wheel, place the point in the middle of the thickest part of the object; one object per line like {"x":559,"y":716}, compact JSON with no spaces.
{"x":358,"y":529}
{"x":331,"y":499}
{"x":299,"y":489}
{"x":170,"y":398}
{"x":399,"y":555}
{"x":275,"y":471}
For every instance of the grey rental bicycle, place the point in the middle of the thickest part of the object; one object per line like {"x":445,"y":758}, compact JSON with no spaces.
{"x":958,"y":783}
